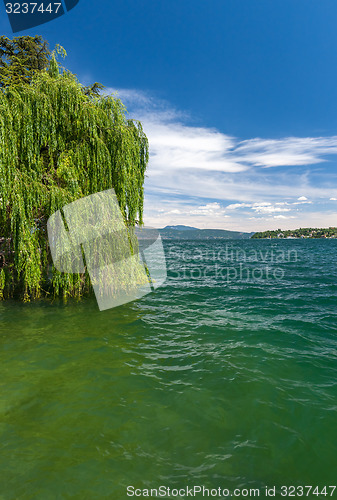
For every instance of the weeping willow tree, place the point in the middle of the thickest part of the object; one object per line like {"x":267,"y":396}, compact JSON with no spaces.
{"x":59,"y":143}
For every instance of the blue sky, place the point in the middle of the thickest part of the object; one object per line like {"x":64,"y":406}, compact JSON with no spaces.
{"x":238,"y":98}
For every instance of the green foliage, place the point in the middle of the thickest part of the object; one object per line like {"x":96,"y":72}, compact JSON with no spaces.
{"x":307,"y":232}
{"x":93,"y":90}
{"x":21,"y":58}
{"x":57,"y":145}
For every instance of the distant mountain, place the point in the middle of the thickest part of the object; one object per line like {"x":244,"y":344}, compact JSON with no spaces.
{"x":192,"y":233}
{"x":181,"y":228}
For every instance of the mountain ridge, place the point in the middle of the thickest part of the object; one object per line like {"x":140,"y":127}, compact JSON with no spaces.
{"x":181,"y":232}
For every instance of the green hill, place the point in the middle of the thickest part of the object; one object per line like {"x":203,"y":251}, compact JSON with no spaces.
{"x":306,"y":232}
{"x":191,"y":233}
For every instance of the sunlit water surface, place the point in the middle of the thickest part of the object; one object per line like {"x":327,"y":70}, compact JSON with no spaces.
{"x":216,"y":379}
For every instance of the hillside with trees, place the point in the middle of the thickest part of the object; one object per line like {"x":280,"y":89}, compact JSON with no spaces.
{"x":308,"y":232}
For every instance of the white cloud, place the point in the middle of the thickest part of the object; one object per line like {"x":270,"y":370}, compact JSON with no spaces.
{"x":213,"y":209}
{"x":234,"y":206}
{"x":283,"y":217}
{"x":287,"y":151}
{"x":268,"y":208}
{"x":301,"y":200}
{"x":178,"y":147}
{"x":200,"y":170}
{"x":175,"y":212}
{"x":175,"y":145}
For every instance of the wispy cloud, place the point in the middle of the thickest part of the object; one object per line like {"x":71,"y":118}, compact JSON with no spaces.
{"x":204,"y":173}
{"x":288,"y":151}
{"x":210,"y":209}
{"x":268,"y":208}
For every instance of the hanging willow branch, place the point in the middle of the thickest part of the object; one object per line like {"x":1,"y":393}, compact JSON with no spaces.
{"x":57,"y":145}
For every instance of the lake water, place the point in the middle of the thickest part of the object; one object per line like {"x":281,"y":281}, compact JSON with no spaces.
{"x":226,"y":376}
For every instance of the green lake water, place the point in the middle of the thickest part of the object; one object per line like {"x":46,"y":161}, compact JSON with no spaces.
{"x":226,"y":376}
